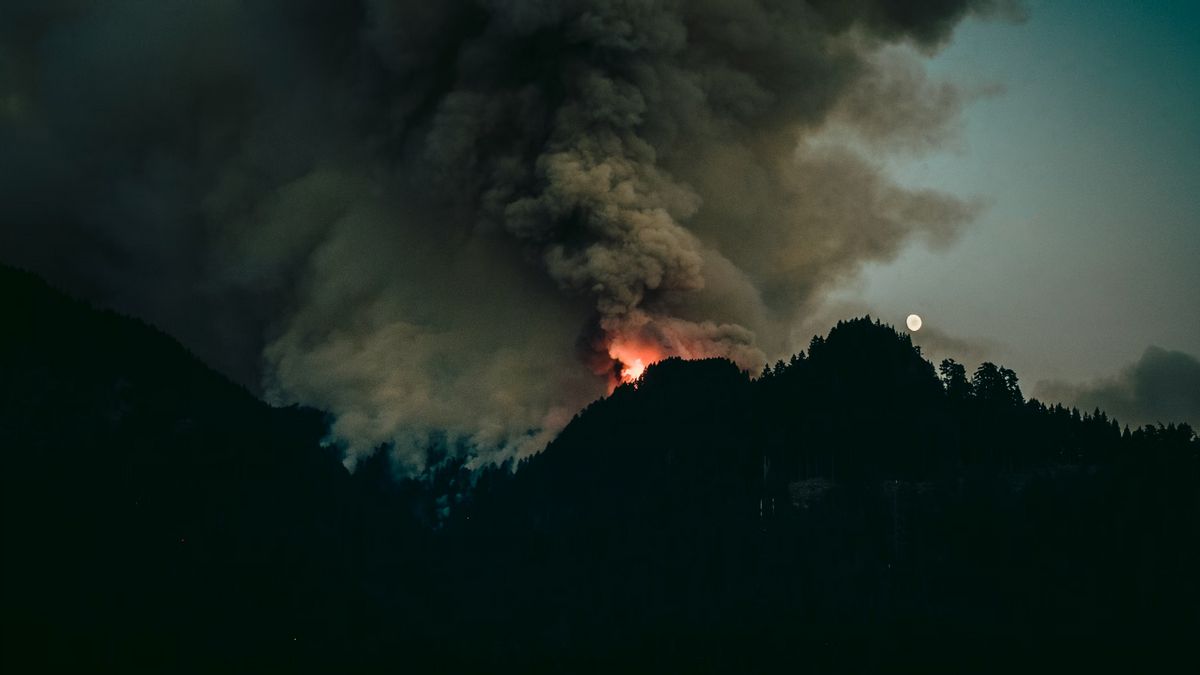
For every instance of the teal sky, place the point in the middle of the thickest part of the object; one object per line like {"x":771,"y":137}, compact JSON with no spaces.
{"x":1089,"y":161}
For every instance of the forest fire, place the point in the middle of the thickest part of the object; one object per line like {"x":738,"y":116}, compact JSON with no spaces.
{"x":631,"y":360}
{"x":632,"y":371}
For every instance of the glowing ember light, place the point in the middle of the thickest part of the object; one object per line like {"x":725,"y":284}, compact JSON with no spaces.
{"x":632,"y":371}
{"x":631,"y":360}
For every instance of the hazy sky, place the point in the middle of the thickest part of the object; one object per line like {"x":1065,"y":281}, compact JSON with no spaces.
{"x":465,"y":219}
{"x":1089,"y":159}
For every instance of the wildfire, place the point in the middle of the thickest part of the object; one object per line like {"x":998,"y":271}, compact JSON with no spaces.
{"x":630,"y":360}
{"x":632,"y":371}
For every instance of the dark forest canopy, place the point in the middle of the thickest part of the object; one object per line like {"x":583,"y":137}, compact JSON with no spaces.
{"x":855,"y":509}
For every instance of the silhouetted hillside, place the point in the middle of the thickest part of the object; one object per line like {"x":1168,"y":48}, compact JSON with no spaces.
{"x":158,"y":517}
{"x":852,"y":510}
{"x":848,"y":510}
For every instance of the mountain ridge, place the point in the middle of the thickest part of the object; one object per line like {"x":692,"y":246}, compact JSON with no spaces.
{"x":849,"y":505}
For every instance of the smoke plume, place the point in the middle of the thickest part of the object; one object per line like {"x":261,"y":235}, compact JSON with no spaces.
{"x":1161,"y":387}
{"x":455,"y":222}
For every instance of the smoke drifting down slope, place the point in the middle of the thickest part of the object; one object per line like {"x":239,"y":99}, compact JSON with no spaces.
{"x":424,"y":217}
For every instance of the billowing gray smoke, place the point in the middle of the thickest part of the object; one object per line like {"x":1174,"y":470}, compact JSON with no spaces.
{"x":454,"y":222}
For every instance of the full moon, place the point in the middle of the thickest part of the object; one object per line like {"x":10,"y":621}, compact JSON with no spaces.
{"x":914,"y":322}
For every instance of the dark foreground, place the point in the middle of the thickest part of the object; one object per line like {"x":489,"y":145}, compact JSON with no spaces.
{"x":849,"y":512}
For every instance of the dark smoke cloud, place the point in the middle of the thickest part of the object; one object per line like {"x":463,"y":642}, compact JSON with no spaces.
{"x":414,"y":214}
{"x":1162,"y":386}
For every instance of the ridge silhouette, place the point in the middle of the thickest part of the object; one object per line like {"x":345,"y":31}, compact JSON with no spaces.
{"x":852,"y":510}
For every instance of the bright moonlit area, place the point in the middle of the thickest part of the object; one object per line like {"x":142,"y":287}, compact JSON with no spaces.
{"x":914,"y":322}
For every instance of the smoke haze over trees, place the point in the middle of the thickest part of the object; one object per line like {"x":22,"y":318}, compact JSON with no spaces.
{"x":340,"y":204}
{"x":1162,"y":385}
{"x":472,"y":300}
{"x":852,"y":509}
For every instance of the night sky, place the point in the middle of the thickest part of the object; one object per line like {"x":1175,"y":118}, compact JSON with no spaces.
{"x":1088,"y":155}
{"x":466,"y":220}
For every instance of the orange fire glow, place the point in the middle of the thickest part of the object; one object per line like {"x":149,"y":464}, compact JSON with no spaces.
{"x":632,"y":360}
{"x":632,"y":371}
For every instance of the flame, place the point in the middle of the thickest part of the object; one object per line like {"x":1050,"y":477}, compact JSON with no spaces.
{"x":632,"y":371}
{"x":631,"y":359}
